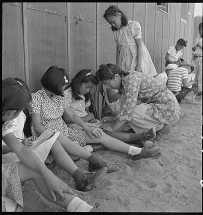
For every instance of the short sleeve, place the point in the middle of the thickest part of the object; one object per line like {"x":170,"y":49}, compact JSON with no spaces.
{"x":34,"y":106}
{"x":184,"y":74}
{"x":170,"y":51}
{"x":136,"y":30}
{"x":7,"y":127}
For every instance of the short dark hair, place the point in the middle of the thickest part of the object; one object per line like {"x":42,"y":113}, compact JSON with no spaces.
{"x":54,"y":80}
{"x":182,"y":42}
{"x":84,"y":76}
{"x":15,"y":95}
{"x":113,"y":11}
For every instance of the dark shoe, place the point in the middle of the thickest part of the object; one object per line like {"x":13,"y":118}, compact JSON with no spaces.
{"x":161,"y":133}
{"x":147,"y":144}
{"x":89,"y":179}
{"x":96,"y":163}
{"x":151,"y":134}
{"x":153,"y":152}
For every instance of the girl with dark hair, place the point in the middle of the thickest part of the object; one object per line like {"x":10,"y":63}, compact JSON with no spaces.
{"x":131,"y":53}
{"x":51,"y":111}
{"x":16,"y":98}
{"x":158,"y":107}
{"x":78,"y":99}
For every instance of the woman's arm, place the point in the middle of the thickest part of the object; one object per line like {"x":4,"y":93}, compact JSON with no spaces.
{"x":139,"y":54}
{"x":113,"y":127}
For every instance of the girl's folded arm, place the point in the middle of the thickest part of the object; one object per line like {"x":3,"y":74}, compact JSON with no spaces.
{"x":38,"y":127}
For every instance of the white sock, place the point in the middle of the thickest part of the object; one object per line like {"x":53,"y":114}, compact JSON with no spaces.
{"x":134,"y":150}
{"x":78,"y":205}
{"x":88,"y":148}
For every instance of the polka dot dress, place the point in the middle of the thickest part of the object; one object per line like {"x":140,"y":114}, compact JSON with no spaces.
{"x":11,"y":185}
{"x":51,"y":111}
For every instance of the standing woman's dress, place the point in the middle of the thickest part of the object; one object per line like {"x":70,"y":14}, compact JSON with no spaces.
{"x":127,"y":58}
{"x":159,"y":105}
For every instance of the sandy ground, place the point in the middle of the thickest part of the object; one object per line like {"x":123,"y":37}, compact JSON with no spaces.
{"x":168,"y":184}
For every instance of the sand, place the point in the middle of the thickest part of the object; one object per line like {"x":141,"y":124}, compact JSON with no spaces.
{"x":170,"y":183}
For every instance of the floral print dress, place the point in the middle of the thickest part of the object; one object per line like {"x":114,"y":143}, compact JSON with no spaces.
{"x":11,"y":185}
{"x":51,"y":111}
{"x":162,"y":104}
{"x":127,"y":57}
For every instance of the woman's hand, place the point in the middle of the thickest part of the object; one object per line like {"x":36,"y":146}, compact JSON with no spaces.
{"x":57,"y":186}
{"x":94,"y":132}
{"x":107,"y":120}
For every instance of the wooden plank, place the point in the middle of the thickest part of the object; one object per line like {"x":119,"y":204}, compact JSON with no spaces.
{"x":165,"y":41}
{"x":106,"y":46}
{"x":47,"y":44}
{"x":25,"y":44}
{"x":139,"y":15}
{"x":12,"y":42}
{"x":150,"y":28}
{"x":127,"y":9}
{"x":49,"y":7}
{"x":158,"y":58}
{"x":172,"y":29}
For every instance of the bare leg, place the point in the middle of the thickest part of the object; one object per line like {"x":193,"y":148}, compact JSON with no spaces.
{"x":126,"y":137}
{"x":26,"y":174}
{"x":110,"y":143}
{"x":73,"y":148}
{"x":62,"y":158}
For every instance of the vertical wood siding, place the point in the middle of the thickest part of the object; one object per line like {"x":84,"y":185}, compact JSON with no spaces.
{"x":76,"y":36}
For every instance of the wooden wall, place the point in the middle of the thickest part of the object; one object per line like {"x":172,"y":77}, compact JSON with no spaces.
{"x":76,"y":36}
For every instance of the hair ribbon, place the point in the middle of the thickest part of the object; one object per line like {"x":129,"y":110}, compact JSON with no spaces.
{"x":65,"y":79}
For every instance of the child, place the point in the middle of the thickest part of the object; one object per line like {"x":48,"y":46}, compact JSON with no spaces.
{"x":178,"y":82}
{"x":78,"y":99}
{"x":197,"y":58}
{"x":158,"y":107}
{"x":174,"y":55}
{"x":15,"y":98}
{"x":50,"y":109}
{"x":83,"y":180}
{"x":131,"y":54}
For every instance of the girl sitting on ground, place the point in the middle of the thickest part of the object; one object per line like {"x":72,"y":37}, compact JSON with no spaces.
{"x":29,"y":167}
{"x":50,"y":109}
{"x":84,"y":181}
{"x":158,"y":107}
{"x":78,"y":98}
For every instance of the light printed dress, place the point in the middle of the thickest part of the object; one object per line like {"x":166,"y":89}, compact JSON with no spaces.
{"x":127,"y":57}
{"x":77,"y":106}
{"x":162,"y":104}
{"x":11,"y":185}
{"x":51,"y":111}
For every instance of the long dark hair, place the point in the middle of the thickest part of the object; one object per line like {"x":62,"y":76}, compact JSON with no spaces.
{"x":83,"y":76}
{"x":108,"y":71}
{"x":113,"y":11}
{"x":15,"y":95}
